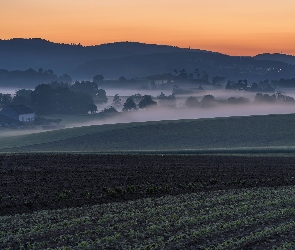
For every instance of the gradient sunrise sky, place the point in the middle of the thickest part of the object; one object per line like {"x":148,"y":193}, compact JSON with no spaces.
{"x":235,"y":27}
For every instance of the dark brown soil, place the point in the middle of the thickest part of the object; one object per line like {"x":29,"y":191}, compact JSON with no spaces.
{"x":32,"y":182}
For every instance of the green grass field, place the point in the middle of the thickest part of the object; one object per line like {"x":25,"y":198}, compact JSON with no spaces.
{"x":258,"y":134}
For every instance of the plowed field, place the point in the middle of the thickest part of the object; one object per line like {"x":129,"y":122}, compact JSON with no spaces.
{"x":33,"y":182}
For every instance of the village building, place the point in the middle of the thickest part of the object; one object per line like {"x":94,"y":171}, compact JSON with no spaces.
{"x":18,"y":113}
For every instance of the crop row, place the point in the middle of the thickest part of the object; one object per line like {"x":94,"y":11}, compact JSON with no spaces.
{"x":226,"y":219}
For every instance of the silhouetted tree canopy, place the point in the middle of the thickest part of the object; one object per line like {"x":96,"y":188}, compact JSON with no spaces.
{"x":239,"y":100}
{"x":192,"y":102}
{"x":91,"y":88}
{"x":117,"y":101}
{"x":98,"y":78}
{"x":47,"y":100}
{"x":278,"y":97}
{"x":22,"y":97}
{"x":164,"y":100}
{"x":92,"y":108}
{"x":129,"y":104}
{"x":101,"y":96}
{"x":136,"y":98}
{"x":26,"y":78}
{"x":147,"y":102}
{"x":208,"y":101}
{"x":122,"y":79}
{"x":5,"y":99}
{"x":111,"y":110}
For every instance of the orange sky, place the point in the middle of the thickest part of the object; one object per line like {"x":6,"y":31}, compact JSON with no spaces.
{"x":235,"y":27}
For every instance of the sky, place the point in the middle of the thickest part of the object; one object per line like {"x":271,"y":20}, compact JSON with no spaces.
{"x":234,"y":27}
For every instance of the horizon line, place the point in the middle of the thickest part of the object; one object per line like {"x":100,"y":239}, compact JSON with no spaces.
{"x":140,"y":42}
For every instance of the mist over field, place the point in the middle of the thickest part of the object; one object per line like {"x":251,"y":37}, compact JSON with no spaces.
{"x":147,"y":124}
{"x":163,"y":113}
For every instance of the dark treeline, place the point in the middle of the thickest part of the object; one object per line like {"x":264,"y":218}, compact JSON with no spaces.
{"x":30,"y":78}
{"x":61,"y":98}
{"x":262,"y":86}
{"x":138,"y":101}
{"x":58,"y":98}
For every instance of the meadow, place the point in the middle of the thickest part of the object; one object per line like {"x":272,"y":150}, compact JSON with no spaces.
{"x":259,"y":134}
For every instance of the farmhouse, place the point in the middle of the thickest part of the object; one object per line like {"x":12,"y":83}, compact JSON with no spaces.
{"x":18,"y":113}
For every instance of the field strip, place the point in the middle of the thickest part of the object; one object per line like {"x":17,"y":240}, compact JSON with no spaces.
{"x":216,"y":135}
{"x":158,"y":222}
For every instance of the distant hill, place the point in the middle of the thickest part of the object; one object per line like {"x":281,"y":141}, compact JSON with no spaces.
{"x":37,"y":53}
{"x":133,"y":59}
{"x":232,"y":67}
{"x":272,"y":133}
{"x":276,"y":57}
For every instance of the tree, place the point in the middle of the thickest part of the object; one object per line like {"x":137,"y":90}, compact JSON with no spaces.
{"x":91,"y":88}
{"x":5,"y":99}
{"x":239,"y":100}
{"x":208,"y":101}
{"x":192,"y":102}
{"x":122,"y":79}
{"x":164,"y":100}
{"x":101,"y":96}
{"x":48,"y":100}
{"x":147,"y":102}
{"x":136,"y":98}
{"x":129,"y":105}
{"x":22,"y":97}
{"x":111,"y":110}
{"x":265,"y":98}
{"x":98,"y":78}
{"x":92,"y":108}
{"x":116,"y":101}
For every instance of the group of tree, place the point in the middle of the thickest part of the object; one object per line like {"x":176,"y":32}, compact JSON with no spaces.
{"x":210,"y":101}
{"x":48,"y":100}
{"x":92,"y":89}
{"x":274,"y":98}
{"x":22,"y":96}
{"x":146,"y":102}
{"x":169,"y":100}
{"x":262,"y":86}
{"x":30,"y":77}
{"x":52,"y":98}
{"x":196,"y":75}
